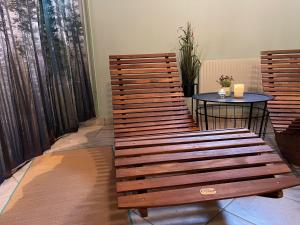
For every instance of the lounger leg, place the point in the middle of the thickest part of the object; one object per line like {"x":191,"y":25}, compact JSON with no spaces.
{"x":276,"y":194}
{"x":144,"y":212}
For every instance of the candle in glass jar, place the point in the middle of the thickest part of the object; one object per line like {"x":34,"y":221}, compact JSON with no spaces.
{"x":239,"y":90}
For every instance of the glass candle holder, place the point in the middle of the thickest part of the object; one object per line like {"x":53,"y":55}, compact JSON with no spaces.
{"x":222,"y":93}
{"x":239,"y":90}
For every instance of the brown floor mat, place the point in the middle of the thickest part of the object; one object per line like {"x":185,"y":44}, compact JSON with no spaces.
{"x":70,"y":187}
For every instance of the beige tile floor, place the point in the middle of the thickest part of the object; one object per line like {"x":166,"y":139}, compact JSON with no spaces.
{"x":240,"y":211}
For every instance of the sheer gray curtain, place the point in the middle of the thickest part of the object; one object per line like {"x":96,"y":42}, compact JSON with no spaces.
{"x":45,"y":89}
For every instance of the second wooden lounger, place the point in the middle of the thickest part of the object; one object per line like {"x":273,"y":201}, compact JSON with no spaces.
{"x":162,"y":159}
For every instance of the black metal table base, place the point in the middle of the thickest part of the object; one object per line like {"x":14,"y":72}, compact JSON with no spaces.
{"x":221,"y":116}
{"x":217,"y":113}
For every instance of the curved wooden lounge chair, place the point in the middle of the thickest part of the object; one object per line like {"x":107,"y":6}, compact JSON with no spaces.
{"x":281,"y":79}
{"x":161,"y":158}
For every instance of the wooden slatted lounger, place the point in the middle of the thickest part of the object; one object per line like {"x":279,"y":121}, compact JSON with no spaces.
{"x":281,"y":79}
{"x":162,"y":159}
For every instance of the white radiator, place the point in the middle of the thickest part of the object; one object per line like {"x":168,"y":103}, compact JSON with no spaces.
{"x":245,"y":71}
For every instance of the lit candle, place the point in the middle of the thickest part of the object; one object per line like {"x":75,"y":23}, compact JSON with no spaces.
{"x":239,"y":90}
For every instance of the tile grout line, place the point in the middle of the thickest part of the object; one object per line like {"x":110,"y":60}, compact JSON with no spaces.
{"x":218,"y":213}
{"x":15,"y":188}
{"x":239,"y":217}
{"x":224,"y":209}
{"x":221,"y":210}
{"x":298,"y":201}
{"x":148,"y":221}
{"x":215,"y":216}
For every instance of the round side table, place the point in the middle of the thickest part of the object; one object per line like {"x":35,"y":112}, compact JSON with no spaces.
{"x":216,"y":108}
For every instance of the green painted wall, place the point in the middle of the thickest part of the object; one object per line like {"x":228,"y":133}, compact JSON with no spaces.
{"x":223,"y":29}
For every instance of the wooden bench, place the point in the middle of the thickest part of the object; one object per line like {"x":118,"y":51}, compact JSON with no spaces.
{"x":161,"y":157}
{"x":281,"y":79}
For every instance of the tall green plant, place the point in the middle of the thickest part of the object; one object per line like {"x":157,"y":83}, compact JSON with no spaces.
{"x":189,"y":61}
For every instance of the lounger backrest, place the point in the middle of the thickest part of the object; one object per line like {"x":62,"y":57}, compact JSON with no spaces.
{"x":147,"y":96}
{"x":281,"y":79}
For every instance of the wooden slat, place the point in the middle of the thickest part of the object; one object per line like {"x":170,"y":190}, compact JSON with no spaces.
{"x":281,"y":106}
{"x":178,"y":135}
{"x":280,"y":61}
{"x":144,"y":71}
{"x":141,"y":133}
{"x":147,"y":86}
{"x":144,"y":76}
{"x":288,"y":98}
{"x":189,"y":147}
{"x":283,"y":122}
{"x":147,"y":124}
{"x":150,"y":119}
{"x":278,"y":102}
{"x":139,"y":61}
{"x":271,"y":66}
{"x":283,"y":56}
{"x":144,"y":110}
{"x":285,"y":89}
{"x":138,"y":56}
{"x":282,"y":84}
{"x":275,"y":78}
{"x":272,"y":52}
{"x":143,"y":96}
{"x":273,"y":93}
{"x":145,"y":65}
{"x":284,"y":114}
{"x":181,"y":140}
{"x":193,"y":195}
{"x":148,"y":105}
{"x":284,"y":126}
{"x":151,"y":114}
{"x":182,"y":156}
{"x":204,"y":165}
{"x":279,"y":75}
{"x":281,"y":118}
{"x":160,"y":127}
{"x":148,"y":100}
{"x":202,"y":178}
{"x":153,"y":90}
{"x":284,"y":110}
{"x":190,"y":134}
{"x":145,"y":81}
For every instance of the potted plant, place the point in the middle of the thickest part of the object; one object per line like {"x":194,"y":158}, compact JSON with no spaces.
{"x":189,"y":61}
{"x":225,"y":83}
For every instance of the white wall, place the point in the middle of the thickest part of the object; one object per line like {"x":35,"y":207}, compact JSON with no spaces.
{"x":224,"y":29}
